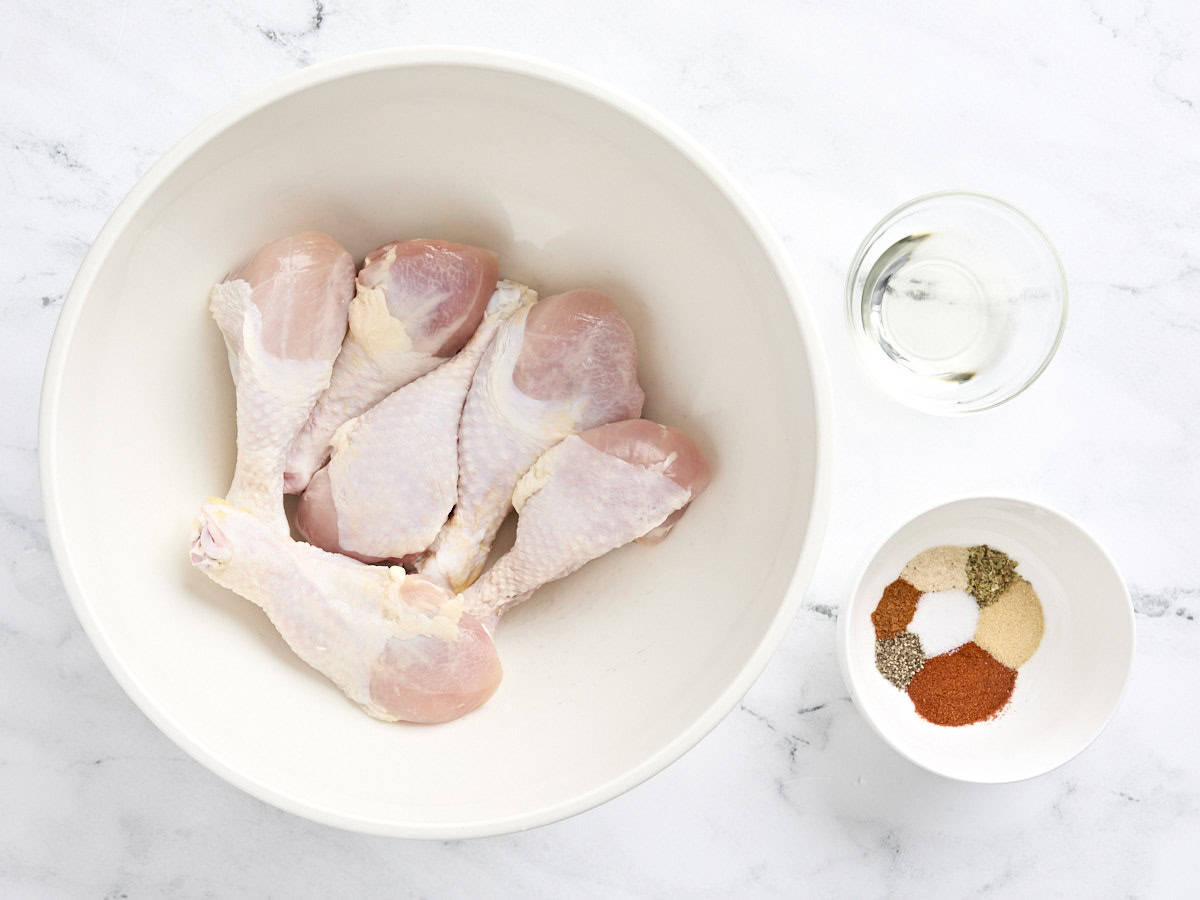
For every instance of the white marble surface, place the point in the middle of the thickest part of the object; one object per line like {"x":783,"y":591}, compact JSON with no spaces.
{"x":1086,"y":113}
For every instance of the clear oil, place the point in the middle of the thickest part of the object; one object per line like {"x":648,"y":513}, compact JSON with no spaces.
{"x":930,"y":311}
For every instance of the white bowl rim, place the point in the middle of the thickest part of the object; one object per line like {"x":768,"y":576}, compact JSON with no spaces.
{"x":843,"y":632}
{"x":447,"y":55}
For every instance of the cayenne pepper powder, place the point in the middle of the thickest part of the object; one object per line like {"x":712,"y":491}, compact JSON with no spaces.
{"x":962,"y":687}
{"x":895,"y":609}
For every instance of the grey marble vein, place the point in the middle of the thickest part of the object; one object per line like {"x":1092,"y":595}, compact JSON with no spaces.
{"x":1179,"y":602}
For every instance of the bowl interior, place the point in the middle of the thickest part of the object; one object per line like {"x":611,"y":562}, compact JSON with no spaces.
{"x":608,"y":675}
{"x":1064,"y":694}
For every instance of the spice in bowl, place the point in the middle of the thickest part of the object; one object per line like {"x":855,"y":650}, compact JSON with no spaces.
{"x":895,"y":610}
{"x":899,"y":658}
{"x":989,"y":572}
{"x":953,"y":629}
{"x":962,"y":687}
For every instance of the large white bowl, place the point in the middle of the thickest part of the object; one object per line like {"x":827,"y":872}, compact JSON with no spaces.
{"x":609,"y":675}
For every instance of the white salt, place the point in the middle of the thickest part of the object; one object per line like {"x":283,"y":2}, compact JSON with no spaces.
{"x":944,"y":620}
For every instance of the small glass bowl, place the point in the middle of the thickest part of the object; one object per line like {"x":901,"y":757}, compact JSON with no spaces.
{"x":957,"y":302}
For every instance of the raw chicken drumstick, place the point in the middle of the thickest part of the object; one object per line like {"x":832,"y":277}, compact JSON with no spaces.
{"x":393,"y":476}
{"x":417,"y":304}
{"x":398,"y":645}
{"x":283,"y":316}
{"x":587,"y":495}
{"x":565,"y":364}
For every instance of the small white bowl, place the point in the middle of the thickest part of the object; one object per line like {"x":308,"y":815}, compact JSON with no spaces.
{"x":1068,"y":690}
{"x":610,"y":674}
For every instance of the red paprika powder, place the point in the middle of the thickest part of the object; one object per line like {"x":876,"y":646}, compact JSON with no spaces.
{"x":961,"y":687}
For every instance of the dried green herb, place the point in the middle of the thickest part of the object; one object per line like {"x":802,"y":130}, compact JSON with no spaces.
{"x":989,"y":572}
{"x":899,"y":658}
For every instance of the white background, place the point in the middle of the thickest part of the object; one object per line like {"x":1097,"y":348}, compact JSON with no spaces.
{"x":1084,"y":114}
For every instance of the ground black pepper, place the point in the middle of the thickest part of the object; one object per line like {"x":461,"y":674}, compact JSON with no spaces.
{"x":899,"y":658}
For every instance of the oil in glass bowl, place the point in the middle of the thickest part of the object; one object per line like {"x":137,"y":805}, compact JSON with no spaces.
{"x":957,"y":302}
